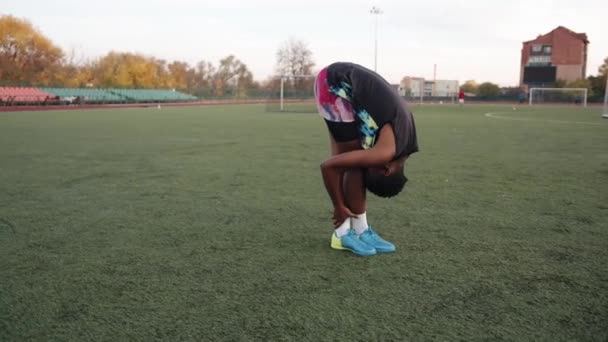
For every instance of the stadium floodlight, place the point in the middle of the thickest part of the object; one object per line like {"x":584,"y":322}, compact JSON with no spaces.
{"x":558,"y":95}
{"x":375,"y":11}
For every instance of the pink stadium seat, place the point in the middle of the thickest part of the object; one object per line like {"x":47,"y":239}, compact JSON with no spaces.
{"x":23,"y":95}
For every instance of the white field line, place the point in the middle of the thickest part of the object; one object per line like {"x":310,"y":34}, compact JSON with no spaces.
{"x":495,"y":115}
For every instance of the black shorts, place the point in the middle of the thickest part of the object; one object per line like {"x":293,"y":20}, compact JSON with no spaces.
{"x":343,"y":131}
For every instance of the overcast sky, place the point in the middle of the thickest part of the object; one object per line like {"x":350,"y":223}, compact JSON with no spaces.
{"x":472,"y":39}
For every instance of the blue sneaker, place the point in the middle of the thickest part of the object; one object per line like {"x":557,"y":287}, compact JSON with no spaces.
{"x":371,"y":238}
{"x":351,"y":242}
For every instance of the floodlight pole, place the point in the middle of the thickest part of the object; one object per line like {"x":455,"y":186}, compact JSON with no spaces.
{"x":375,"y":11}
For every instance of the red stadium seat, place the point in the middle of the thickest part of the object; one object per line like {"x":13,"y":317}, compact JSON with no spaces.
{"x":23,"y":95}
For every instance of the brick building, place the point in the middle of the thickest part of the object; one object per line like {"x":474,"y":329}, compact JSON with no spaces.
{"x":558,"y":55}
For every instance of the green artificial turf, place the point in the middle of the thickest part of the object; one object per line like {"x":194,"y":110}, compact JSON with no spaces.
{"x":212,"y":223}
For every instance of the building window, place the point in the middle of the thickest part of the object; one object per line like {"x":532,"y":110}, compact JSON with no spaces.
{"x":536,"y":48}
{"x":547,"y":49}
{"x":539,"y":60}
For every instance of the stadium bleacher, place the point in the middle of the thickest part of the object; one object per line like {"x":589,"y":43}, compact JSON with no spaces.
{"x":22,"y":95}
{"x":30,"y":95}
{"x":152,"y":95}
{"x":88,"y":95}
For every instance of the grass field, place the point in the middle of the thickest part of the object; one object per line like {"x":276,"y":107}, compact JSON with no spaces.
{"x":212,"y":223}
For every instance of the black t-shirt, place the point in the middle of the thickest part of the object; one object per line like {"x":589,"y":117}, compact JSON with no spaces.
{"x":376,"y":103}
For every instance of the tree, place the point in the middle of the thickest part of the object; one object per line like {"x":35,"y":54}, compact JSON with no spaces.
{"x":204,"y":73}
{"x":26,"y":55}
{"x":603,"y":70}
{"x":560,"y":83}
{"x":488,"y":89}
{"x":234,"y":74}
{"x":294,"y":58}
{"x":598,"y":83}
{"x":74,"y":72}
{"x":582,"y":83}
{"x":179,"y":73}
{"x":598,"y":87}
{"x":128,"y":70}
{"x":470,"y":87}
{"x":202,"y":83}
{"x":111,"y":71}
{"x":163,"y":77}
{"x":71,"y":75}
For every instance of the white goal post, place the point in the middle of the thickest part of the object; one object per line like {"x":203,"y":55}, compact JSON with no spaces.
{"x":285,"y":80}
{"x":605,"y":107}
{"x":583,"y":92}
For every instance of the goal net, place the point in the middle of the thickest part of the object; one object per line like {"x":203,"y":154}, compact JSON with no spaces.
{"x":573,"y":96}
{"x":291,"y":94}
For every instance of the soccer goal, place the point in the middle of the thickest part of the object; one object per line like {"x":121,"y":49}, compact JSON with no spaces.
{"x":292,"y":94}
{"x":576,"y":96}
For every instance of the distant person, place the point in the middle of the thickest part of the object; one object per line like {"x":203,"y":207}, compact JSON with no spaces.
{"x":522,"y":97}
{"x":372,"y":133}
{"x":461,"y":97}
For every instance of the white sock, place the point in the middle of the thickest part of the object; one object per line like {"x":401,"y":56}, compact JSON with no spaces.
{"x":343,"y":228}
{"x":359,"y":223}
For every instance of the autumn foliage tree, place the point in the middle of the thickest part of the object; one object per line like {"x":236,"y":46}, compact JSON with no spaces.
{"x":488,"y":90}
{"x":26,"y":55}
{"x":470,"y":87}
{"x":128,"y":70}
